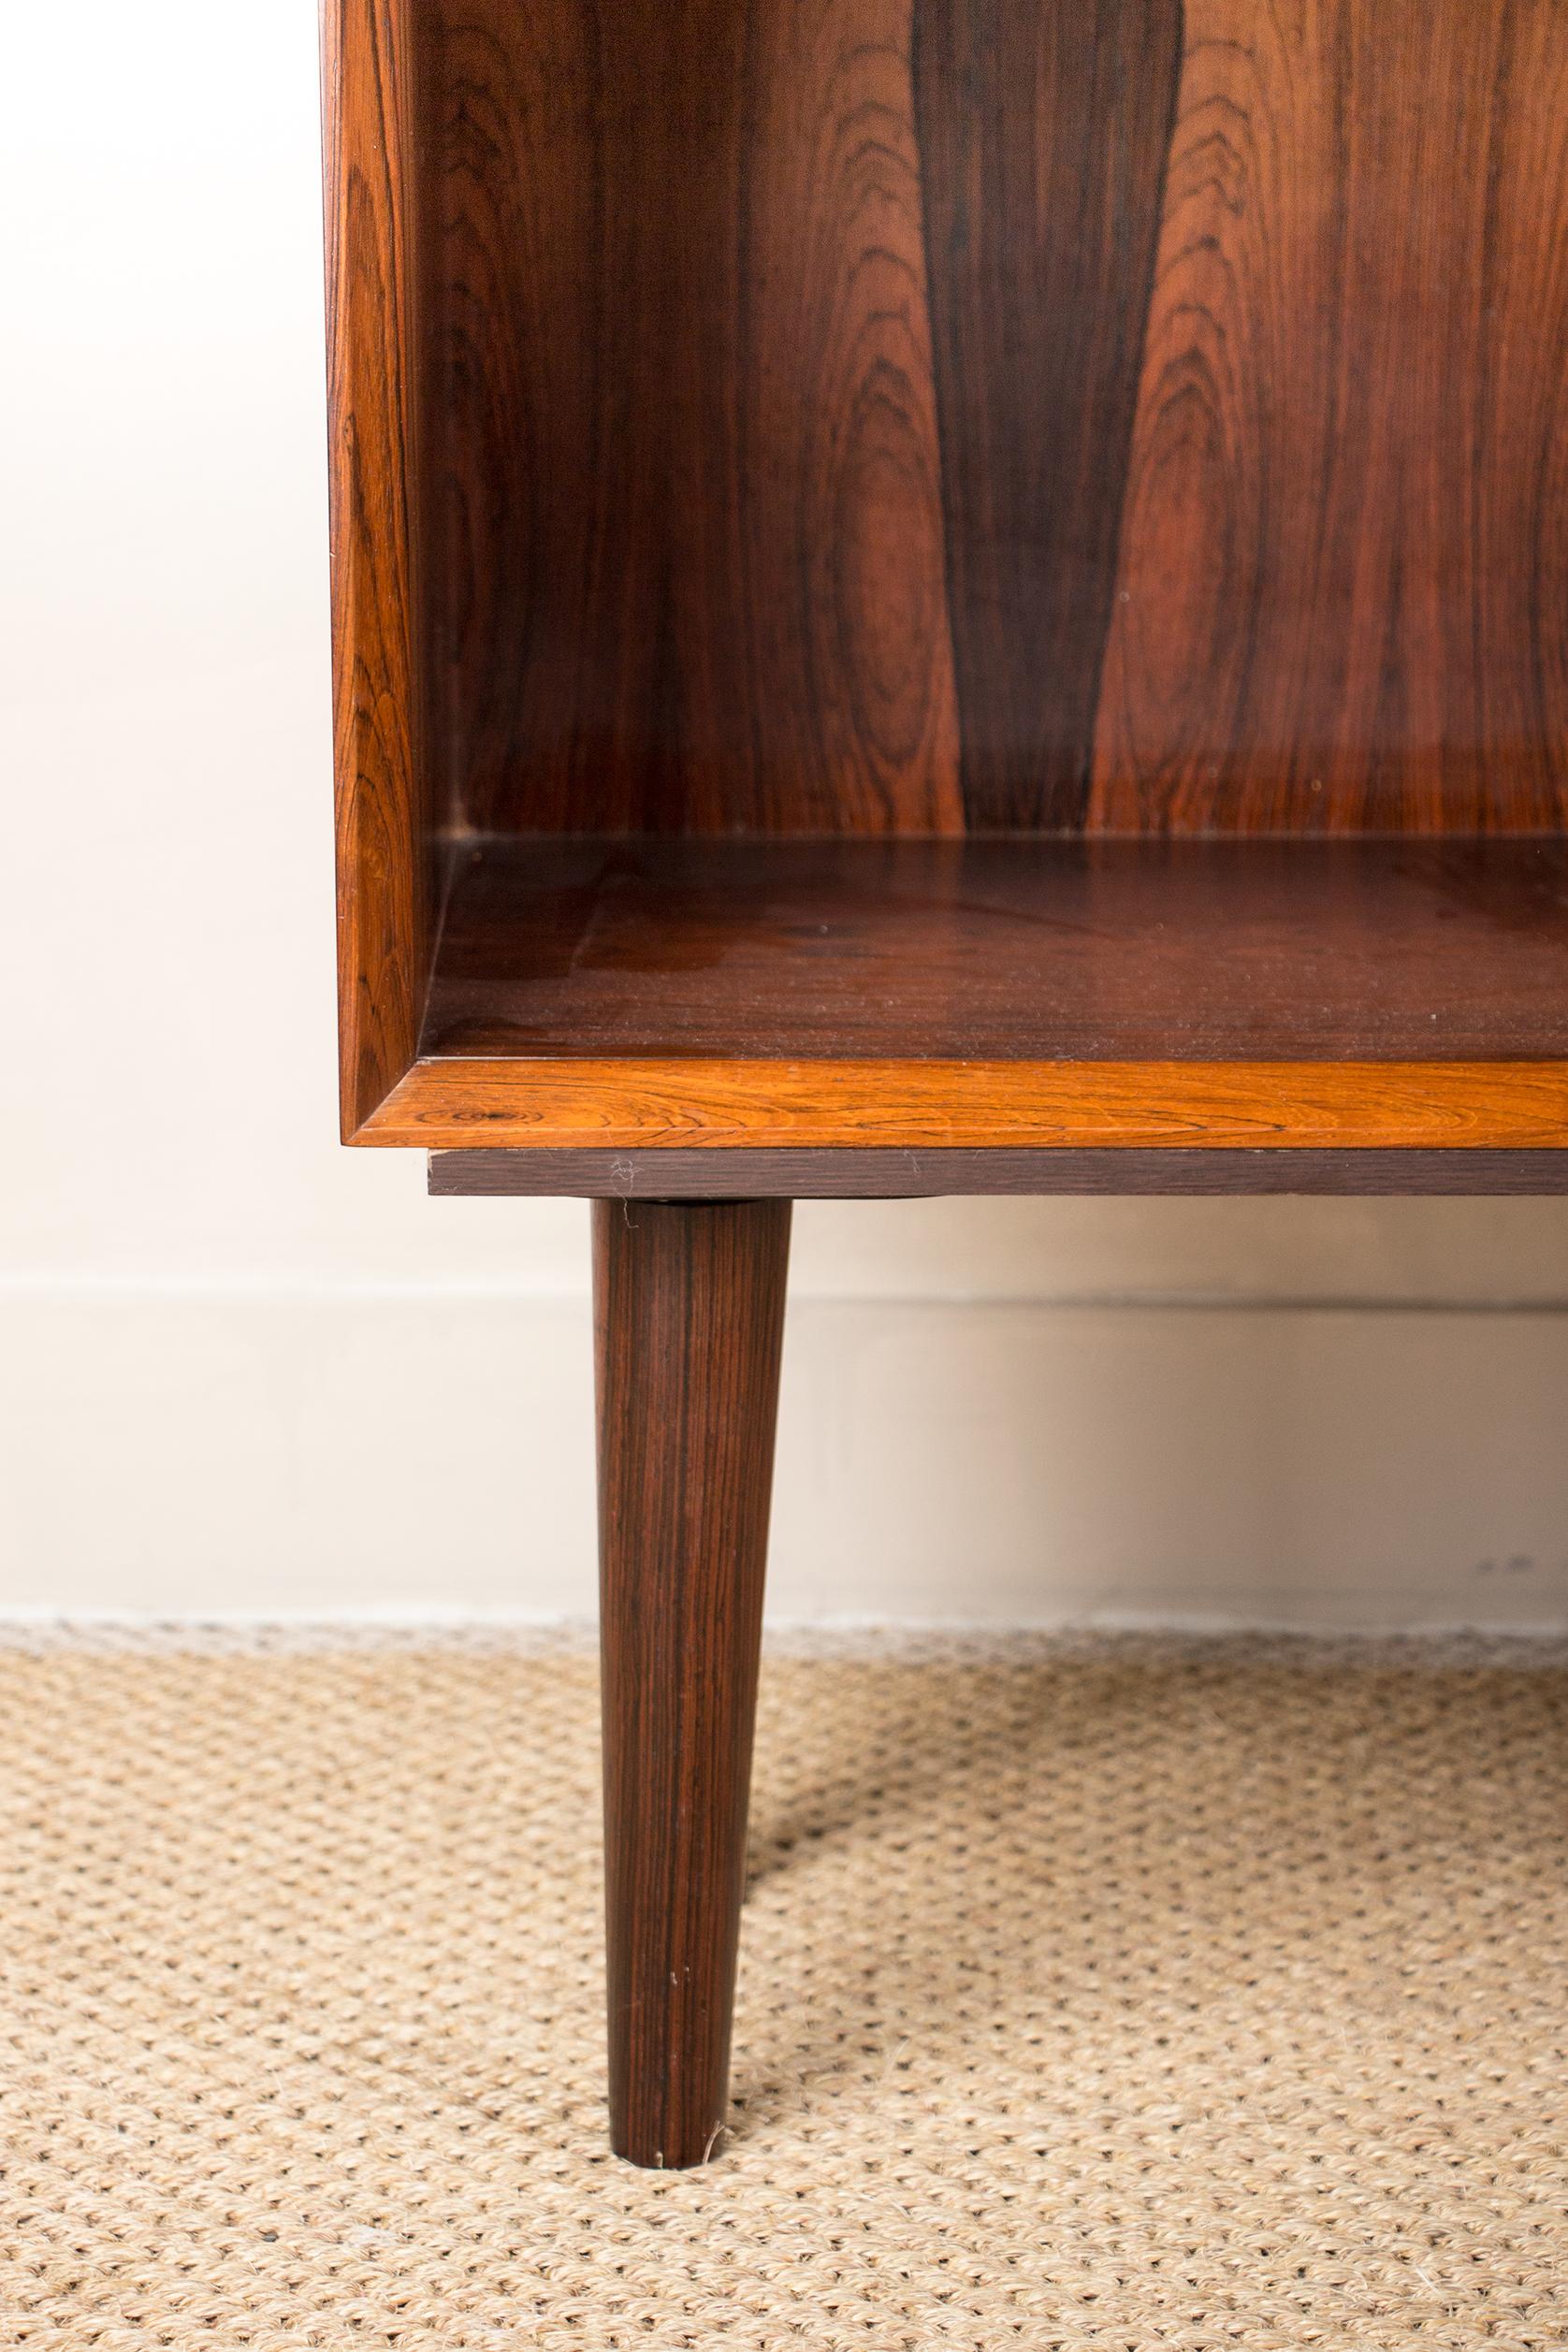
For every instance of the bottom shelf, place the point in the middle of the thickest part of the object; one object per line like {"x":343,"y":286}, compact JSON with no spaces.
{"x":981,"y":994}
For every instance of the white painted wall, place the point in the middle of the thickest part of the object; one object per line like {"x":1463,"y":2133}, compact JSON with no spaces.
{"x":245,"y":1370}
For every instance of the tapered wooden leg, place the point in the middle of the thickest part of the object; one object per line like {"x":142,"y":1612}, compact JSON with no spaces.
{"x":688,"y":1314}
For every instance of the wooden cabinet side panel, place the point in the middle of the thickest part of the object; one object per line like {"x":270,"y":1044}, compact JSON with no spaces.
{"x":384,"y":852}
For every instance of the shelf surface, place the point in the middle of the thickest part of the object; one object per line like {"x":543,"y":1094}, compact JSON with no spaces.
{"x":662,"y":948}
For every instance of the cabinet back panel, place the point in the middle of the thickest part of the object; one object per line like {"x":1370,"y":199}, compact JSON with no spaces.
{"x":929,"y":415}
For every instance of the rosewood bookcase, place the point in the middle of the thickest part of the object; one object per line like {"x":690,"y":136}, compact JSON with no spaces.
{"x":928,"y":596}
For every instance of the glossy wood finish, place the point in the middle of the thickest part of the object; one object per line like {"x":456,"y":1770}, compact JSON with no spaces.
{"x":694,"y":562}
{"x":387,"y":812}
{"x":1043,"y":134}
{"x":876,"y":417}
{"x":1343,"y":596}
{"x":943,"y":417}
{"x":689,"y":1307}
{"x":754,"y":1105}
{"x":840,"y":1175}
{"x":993,"y":951}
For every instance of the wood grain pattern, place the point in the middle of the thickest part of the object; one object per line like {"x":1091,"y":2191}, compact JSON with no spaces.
{"x":977,"y":1106}
{"x":689,"y":1317}
{"x":512,"y":161}
{"x":385,"y":790}
{"x":864,"y":417}
{"x":694,"y":578}
{"x":848,"y":1175}
{"x":1342,"y":597}
{"x":1043,"y":135}
{"x":823,"y":541}
{"x":1041,"y":951}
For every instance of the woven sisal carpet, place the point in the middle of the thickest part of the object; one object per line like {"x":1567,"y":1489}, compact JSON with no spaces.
{"x":1099,"y":1996}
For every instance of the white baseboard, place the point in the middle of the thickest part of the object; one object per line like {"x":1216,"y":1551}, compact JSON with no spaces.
{"x":424,"y":1459}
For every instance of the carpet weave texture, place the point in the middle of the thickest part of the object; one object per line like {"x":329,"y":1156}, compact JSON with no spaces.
{"x":1097,"y":1996}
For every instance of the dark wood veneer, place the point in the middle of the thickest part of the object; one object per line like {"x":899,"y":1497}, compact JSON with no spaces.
{"x":874,"y":418}
{"x":906,"y":419}
{"x":850,"y":1175}
{"x":693,"y":562}
{"x":1023,"y":950}
{"x":689,"y":1318}
{"x":1343,"y":593}
{"x":387,"y":811}
{"x":1043,"y":134}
